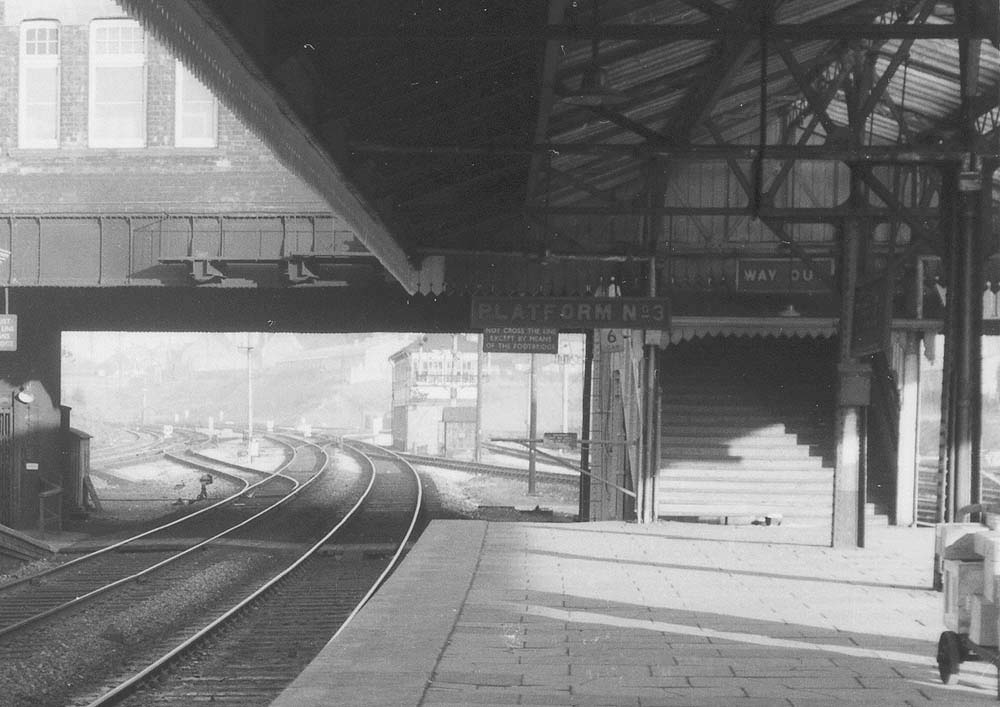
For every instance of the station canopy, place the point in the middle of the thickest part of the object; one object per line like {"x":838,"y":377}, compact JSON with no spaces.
{"x":530,"y":135}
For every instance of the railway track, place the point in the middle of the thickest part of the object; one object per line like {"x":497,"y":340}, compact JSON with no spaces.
{"x":64,"y":586}
{"x":93,"y":594}
{"x":492,"y":469}
{"x":232,"y":617}
{"x":246,"y":655}
{"x":147,"y":444}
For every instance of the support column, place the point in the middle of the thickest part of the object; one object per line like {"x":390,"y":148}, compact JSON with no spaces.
{"x":650,"y":436}
{"x":909,"y":421}
{"x":848,"y":490}
{"x":649,"y":453}
{"x":585,"y":451}
{"x":946,"y":459}
{"x":967,"y":368}
{"x":532,"y":426}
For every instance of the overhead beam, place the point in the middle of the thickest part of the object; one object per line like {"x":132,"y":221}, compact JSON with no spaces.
{"x":708,"y":30}
{"x":821,"y":214}
{"x":868,"y":154}
{"x":191,"y":30}
{"x":709,"y":8}
{"x":902,"y":54}
{"x":817,"y":103}
{"x":557,"y":11}
{"x":705,"y":93}
{"x":907,"y":215}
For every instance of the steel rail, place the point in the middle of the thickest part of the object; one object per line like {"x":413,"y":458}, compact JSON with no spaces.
{"x":114,"y":456}
{"x":140,"y":442}
{"x":130,"y":685}
{"x":115,"y":546}
{"x":297,"y":488}
{"x":402,"y":545}
{"x":492,"y":469}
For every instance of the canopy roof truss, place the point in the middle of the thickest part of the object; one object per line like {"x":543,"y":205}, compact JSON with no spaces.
{"x":459,"y":128}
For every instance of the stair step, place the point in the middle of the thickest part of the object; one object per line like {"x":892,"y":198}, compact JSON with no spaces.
{"x":766,"y":431}
{"x":809,"y":499}
{"x":702,"y":510}
{"x":707,"y":406}
{"x":739,"y":418}
{"x":733,"y":438}
{"x":749,"y":487}
{"x":736,"y":451}
{"x":760,"y":466}
{"x":669,"y":475}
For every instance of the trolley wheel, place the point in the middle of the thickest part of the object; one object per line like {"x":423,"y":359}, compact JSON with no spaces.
{"x":949,"y":655}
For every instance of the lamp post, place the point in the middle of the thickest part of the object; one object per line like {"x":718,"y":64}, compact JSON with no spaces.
{"x":249,"y":350}
{"x":532,"y":426}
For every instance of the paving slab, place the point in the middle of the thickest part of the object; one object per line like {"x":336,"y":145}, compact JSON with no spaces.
{"x":666,"y":614}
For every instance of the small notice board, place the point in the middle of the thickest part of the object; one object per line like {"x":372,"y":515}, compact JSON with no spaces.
{"x":560,"y":439}
{"x":8,"y":332}
{"x":535,"y":340}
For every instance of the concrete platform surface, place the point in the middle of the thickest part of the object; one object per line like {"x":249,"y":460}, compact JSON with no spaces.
{"x":626,"y":615}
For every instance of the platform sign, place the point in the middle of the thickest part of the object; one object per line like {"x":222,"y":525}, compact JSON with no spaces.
{"x":531,"y":340}
{"x":8,"y":332}
{"x":571,"y":313}
{"x":560,"y":439}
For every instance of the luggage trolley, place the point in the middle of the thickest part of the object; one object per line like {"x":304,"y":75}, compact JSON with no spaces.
{"x":956,"y":648}
{"x":967,"y":569}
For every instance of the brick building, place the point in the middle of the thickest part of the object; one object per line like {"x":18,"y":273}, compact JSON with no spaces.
{"x":434,"y":390}
{"x":106,"y":131}
{"x":119,"y":168}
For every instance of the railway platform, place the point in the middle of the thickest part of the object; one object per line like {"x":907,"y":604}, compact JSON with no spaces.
{"x":488,"y":613}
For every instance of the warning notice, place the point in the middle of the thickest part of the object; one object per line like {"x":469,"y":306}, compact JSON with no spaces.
{"x":8,"y":332}
{"x":520,"y":340}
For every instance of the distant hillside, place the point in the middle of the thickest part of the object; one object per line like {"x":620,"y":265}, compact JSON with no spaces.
{"x":286,"y":397}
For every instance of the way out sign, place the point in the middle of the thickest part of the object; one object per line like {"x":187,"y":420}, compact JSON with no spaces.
{"x":783,"y":275}
{"x":8,"y":332}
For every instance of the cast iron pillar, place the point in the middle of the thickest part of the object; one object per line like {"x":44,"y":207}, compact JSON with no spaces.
{"x":848,"y":488}
{"x":967,"y":328}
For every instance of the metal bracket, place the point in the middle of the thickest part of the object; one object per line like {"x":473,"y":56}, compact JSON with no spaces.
{"x":204,"y":272}
{"x":297,"y":272}
{"x":562,"y":462}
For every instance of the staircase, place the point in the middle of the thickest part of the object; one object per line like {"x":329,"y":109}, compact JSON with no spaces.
{"x":746,"y":434}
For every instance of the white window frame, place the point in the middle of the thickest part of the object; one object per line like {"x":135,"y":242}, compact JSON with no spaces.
{"x":37,"y":61}
{"x":181,"y":140}
{"x":125,"y":60}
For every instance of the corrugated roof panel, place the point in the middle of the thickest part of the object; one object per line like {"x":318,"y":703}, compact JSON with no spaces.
{"x":460,"y":102}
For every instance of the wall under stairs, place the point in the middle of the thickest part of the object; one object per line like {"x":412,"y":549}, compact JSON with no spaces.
{"x":747,"y":430}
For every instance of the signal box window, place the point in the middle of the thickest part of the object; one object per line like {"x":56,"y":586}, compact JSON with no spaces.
{"x":38,"y":85}
{"x":195,"y":118}
{"x":117,"y":84}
